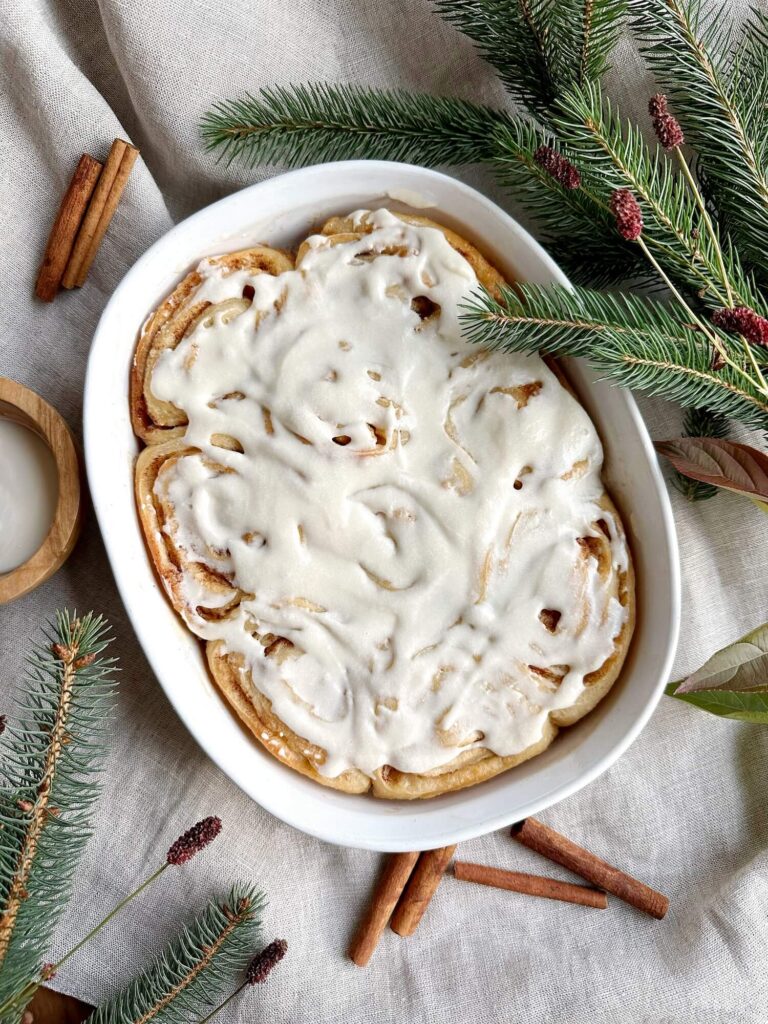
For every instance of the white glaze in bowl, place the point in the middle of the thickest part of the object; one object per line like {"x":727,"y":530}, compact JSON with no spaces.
{"x":282,"y":211}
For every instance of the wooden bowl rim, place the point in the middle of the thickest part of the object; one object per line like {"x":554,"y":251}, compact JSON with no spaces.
{"x":24,"y":406}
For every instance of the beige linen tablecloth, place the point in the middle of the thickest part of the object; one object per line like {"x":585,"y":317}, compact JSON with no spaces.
{"x":685,"y":808}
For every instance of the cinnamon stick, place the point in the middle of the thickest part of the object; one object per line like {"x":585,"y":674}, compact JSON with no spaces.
{"x":62,"y":236}
{"x":420,"y":889}
{"x":546,"y":841}
{"x":392,"y":882}
{"x":531,"y":885}
{"x":95,"y":209}
{"x":90,"y":249}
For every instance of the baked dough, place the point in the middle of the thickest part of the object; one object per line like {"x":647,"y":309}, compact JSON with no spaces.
{"x":204,"y":587}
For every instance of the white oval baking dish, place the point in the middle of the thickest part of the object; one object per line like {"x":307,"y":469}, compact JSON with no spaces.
{"x":281,"y":211}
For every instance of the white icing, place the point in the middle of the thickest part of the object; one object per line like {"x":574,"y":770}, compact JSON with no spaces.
{"x":29,"y":487}
{"x":369,"y":557}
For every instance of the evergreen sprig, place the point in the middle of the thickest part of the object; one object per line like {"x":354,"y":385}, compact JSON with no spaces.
{"x":516,"y":38}
{"x":297,"y":124}
{"x":190,"y":975}
{"x":587,"y":32}
{"x":673,"y":226}
{"x":576,"y":223}
{"x":51,"y":759}
{"x":642,"y":343}
{"x":704,"y":239}
{"x":719,"y":89}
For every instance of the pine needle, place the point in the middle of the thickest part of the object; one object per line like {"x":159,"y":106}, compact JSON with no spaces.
{"x":718,"y":88}
{"x":639,"y":343}
{"x":190,"y":975}
{"x":516,"y":38}
{"x":50,"y":765}
{"x":318,"y":121}
{"x":616,"y":154}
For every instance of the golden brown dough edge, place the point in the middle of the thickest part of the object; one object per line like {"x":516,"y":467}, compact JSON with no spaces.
{"x":472,"y":766}
{"x":175,"y":314}
{"x":255,"y":712}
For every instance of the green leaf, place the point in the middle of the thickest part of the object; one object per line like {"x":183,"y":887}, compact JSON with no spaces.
{"x":733,"y":683}
{"x":742,"y":707}
{"x":743,"y":665}
{"x":727,"y":464}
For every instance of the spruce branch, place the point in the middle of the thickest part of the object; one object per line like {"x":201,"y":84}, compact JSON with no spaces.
{"x":720,"y":96}
{"x":576,"y":223}
{"x":318,"y":121}
{"x":258,"y":971}
{"x":638,"y":343}
{"x":586,"y":32}
{"x":618,"y":157}
{"x":49,"y":772}
{"x":313,"y":122}
{"x":190,"y":975}
{"x":516,"y":37}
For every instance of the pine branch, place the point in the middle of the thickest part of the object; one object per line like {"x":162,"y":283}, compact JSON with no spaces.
{"x":720,"y":97}
{"x":699,"y":423}
{"x":586,"y":33}
{"x":319,"y":121}
{"x":190,"y":975}
{"x":51,"y":759}
{"x":516,"y":38}
{"x":576,"y":223}
{"x":638,"y":343}
{"x":674,"y":230}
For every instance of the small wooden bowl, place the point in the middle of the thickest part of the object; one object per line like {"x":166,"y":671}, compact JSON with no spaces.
{"x":30,"y":410}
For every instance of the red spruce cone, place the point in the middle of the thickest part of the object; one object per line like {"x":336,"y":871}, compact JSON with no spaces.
{"x":262,"y":964}
{"x":657,"y":105}
{"x":668,"y":131}
{"x":626,"y":210}
{"x":743,"y":320}
{"x":556,"y":165}
{"x":194,"y":840}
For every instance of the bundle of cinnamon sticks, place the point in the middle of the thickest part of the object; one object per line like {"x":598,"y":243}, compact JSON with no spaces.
{"x":83,"y":218}
{"x":409,"y":880}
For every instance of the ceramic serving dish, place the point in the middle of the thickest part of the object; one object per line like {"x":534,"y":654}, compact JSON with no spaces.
{"x":281,"y":211}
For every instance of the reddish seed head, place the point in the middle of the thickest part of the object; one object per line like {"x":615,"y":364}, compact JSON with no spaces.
{"x":556,"y":165}
{"x":657,"y":105}
{"x":743,"y":320}
{"x":194,"y":840}
{"x":668,"y":131}
{"x":262,"y":964}
{"x":629,"y":219}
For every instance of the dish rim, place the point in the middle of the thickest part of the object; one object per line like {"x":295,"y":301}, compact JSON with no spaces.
{"x":322,"y":827}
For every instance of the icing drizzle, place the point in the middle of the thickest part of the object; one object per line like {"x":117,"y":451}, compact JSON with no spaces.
{"x":414,"y":514}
